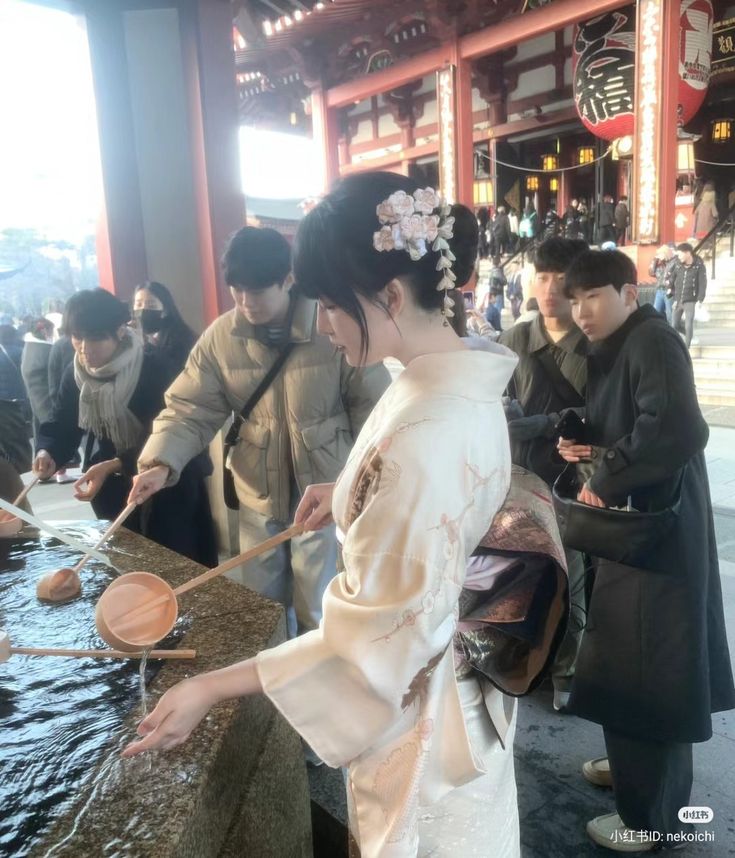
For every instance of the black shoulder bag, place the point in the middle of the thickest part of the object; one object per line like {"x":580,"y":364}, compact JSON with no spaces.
{"x":233,"y":435}
{"x":563,"y":387}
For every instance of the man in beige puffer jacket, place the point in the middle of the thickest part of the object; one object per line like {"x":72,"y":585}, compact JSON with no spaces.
{"x":300,"y":432}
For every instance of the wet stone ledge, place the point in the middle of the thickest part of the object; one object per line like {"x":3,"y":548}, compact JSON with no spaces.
{"x":237,"y":787}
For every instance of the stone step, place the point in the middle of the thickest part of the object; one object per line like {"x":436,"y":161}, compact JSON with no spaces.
{"x":712,"y":368}
{"x":717,"y":354}
{"x":715,"y":394}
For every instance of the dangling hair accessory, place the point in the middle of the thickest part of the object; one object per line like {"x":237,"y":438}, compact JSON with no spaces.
{"x":411,"y":223}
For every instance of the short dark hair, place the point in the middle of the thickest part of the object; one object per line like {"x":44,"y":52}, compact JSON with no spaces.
{"x":556,"y":254}
{"x":94,"y":314}
{"x":595,"y":269}
{"x":256,"y":259}
{"x":685,"y":247}
{"x":335,"y":258}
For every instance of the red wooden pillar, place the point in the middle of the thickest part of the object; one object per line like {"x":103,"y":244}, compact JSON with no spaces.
{"x":326,"y":134}
{"x":669,"y":125}
{"x":656,"y":99}
{"x":209,"y":71}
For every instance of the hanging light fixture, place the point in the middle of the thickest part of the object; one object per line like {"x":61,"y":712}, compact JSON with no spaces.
{"x":585,"y":155}
{"x":549,"y":162}
{"x":685,"y":157}
{"x":553,"y":183}
{"x":482,"y":192}
{"x":721,"y":130}
{"x":532,"y":183}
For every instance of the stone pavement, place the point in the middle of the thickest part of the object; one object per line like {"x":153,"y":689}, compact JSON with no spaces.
{"x":555,"y":802}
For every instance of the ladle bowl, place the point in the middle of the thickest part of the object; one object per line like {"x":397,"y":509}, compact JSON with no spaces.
{"x":139,"y":608}
{"x":135,"y":611}
{"x":59,"y":586}
{"x":65,"y":584}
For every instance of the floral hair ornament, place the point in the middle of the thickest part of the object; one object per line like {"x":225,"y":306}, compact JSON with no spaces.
{"x":412,"y":223}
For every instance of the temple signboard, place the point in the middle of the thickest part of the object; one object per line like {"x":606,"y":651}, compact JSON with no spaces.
{"x":723,"y":48}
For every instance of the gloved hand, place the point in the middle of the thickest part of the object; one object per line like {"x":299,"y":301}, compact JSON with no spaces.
{"x":512,"y":408}
{"x":528,"y":428}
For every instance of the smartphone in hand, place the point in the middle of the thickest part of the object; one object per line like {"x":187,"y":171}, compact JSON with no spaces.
{"x":571,"y":427}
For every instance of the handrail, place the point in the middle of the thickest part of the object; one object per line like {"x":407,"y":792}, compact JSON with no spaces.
{"x":525,"y":245}
{"x":729,"y":216}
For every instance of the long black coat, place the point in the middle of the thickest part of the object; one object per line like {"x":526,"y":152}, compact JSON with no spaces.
{"x":654,"y":661}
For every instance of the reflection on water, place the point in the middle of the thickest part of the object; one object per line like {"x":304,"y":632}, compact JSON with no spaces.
{"x":56,"y":714}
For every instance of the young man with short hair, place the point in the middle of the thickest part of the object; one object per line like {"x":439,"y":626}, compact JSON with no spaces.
{"x":654,"y":662}
{"x":550,"y":377}
{"x":689,"y":282}
{"x":299,"y":432}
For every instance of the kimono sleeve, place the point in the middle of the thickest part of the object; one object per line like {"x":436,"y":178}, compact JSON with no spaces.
{"x":389,"y":617}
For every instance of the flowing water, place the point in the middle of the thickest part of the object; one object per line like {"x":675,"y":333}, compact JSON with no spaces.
{"x":56,"y":714}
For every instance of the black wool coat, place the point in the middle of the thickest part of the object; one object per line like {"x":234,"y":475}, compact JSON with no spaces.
{"x":654,"y":662}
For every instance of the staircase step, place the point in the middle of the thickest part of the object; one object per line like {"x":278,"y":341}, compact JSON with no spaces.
{"x":715,"y":395}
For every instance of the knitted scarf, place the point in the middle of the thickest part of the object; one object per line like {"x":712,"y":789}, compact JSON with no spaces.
{"x":105,"y":391}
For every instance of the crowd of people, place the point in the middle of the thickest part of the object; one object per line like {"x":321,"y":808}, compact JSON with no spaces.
{"x":390,"y":670}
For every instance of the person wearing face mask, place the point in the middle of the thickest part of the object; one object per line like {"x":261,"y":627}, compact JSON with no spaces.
{"x":158,"y":317}
{"x":109,"y":396}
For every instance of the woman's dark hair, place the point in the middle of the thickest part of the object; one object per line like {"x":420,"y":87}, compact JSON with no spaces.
{"x":595,"y":269}
{"x":256,"y":259}
{"x":335,"y":260}
{"x":176,"y":338}
{"x":94,"y":313}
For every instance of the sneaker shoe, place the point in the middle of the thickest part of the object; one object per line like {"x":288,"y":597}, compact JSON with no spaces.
{"x":597,"y":772}
{"x":561,"y":701}
{"x":611,"y":832}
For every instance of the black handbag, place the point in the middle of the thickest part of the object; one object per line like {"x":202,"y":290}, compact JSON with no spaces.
{"x":628,"y":537}
{"x":232,"y":439}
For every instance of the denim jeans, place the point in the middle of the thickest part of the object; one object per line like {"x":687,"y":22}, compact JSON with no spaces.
{"x":664,"y":305}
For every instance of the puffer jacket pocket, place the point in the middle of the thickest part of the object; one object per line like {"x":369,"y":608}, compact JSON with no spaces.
{"x":250,"y":460}
{"x":328,"y":444}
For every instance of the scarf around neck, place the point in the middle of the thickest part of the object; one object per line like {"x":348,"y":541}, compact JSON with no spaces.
{"x":105,"y":392}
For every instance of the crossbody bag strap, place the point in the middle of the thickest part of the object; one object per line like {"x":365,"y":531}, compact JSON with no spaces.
{"x":234,"y":431}
{"x":563,"y":387}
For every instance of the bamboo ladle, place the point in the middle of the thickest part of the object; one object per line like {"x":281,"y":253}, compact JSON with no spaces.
{"x":64,"y":584}
{"x":6,"y":650}
{"x":139,"y":608}
{"x":11,"y":524}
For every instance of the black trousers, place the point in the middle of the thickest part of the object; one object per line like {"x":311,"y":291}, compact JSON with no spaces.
{"x":651,"y":780}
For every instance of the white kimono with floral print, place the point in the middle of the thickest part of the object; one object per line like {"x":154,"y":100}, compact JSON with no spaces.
{"x":374,"y":687}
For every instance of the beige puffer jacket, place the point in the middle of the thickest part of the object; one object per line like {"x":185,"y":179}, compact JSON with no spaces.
{"x":303,"y":427}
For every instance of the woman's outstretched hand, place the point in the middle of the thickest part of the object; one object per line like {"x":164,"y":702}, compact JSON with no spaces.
{"x":148,"y":483}
{"x":177,"y":714}
{"x":315,"y":509}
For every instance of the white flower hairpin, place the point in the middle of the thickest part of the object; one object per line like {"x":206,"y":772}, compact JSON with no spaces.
{"x":411,"y":223}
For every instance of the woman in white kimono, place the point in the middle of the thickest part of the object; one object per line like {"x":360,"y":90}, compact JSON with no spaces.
{"x":374,"y":688}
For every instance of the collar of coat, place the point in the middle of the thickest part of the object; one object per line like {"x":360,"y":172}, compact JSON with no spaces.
{"x":303,"y":323}
{"x":605,"y":352}
{"x":574,"y":341}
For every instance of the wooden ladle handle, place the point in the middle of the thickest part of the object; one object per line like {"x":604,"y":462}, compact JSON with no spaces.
{"x":103,"y":653}
{"x":116,"y":524}
{"x":245,"y":557}
{"x":21,"y":497}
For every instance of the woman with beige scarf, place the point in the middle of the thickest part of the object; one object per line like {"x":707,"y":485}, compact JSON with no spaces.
{"x":110,"y":394}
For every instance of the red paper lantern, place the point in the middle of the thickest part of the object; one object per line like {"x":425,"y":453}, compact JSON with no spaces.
{"x":604,"y":67}
{"x":695,"y":56}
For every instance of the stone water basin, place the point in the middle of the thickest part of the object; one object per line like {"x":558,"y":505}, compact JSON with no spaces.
{"x":238,"y":787}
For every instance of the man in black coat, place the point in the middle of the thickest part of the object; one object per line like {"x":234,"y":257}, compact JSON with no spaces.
{"x":688,"y":281}
{"x":654,"y":662}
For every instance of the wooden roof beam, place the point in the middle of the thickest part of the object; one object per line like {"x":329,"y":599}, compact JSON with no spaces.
{"x":472,"y":46}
